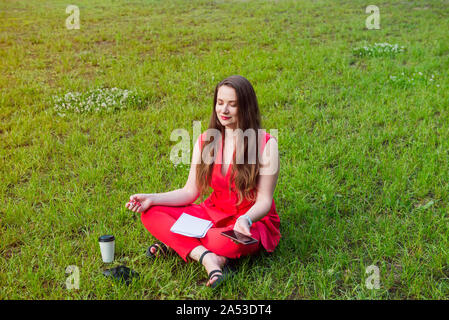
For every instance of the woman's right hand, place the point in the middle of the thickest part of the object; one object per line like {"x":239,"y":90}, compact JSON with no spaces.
{"x":139,"y":202}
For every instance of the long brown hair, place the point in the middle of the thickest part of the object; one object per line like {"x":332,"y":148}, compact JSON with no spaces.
{"x":248,"y":117}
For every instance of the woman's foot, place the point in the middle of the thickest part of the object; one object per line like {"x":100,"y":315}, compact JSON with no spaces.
{"x":212,"y":261}
{"x":158,"y":248}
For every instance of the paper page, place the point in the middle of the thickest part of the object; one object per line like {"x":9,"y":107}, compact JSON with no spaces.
{"x":191,"y":226}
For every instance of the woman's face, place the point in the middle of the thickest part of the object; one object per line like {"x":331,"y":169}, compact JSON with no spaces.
{"x":226,"y":107}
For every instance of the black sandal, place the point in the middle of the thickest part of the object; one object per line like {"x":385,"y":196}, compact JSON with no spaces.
{"x":157,"y":245}
{"x":202,"y":256}
{"x":223,"y":275}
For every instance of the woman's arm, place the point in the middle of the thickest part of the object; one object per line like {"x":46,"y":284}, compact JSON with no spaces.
{"x":179,"y":197}
{"x":269,"y":168}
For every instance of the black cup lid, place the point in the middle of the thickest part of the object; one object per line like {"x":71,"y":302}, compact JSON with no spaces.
{"x":106,"y":238}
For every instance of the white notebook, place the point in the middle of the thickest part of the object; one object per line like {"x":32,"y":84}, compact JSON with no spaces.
{"x":191,"y":226}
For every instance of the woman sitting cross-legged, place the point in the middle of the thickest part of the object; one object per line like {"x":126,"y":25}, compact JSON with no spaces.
{"x":243,"y":175}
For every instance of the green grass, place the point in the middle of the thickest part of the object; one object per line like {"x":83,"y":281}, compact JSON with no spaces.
{"x":364,"y":161}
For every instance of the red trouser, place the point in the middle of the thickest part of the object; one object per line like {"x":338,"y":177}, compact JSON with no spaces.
{"x":159,"y":219}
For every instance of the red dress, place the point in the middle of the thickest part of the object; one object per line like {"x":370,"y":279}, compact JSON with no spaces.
{"x":220,"y":207}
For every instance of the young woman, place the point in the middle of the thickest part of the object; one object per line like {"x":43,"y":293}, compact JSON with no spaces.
{"x":242,"y":197}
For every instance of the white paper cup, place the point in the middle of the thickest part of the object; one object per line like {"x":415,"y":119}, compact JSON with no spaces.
{"x":107,"y":246}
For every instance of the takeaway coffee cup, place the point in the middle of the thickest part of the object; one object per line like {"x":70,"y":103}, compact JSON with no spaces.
{"x":107,"y":246}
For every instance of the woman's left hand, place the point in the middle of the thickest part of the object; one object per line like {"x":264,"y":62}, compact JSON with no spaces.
{"x":242,"y":226}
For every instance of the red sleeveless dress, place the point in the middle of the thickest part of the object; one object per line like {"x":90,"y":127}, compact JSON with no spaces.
{"x":222,"y":207}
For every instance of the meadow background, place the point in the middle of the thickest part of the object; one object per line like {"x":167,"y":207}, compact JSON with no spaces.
{"x":364,"y":143}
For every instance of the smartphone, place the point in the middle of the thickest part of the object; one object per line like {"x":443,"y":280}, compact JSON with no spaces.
{"x":239,"y":237}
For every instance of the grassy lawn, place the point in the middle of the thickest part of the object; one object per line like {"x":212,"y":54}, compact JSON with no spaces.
{"x":364,"y":143}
